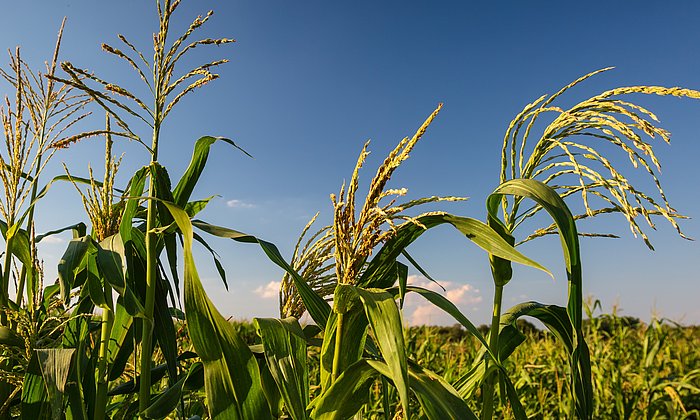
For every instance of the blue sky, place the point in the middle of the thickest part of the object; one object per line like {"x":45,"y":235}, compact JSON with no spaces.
{"x":309,"y":82}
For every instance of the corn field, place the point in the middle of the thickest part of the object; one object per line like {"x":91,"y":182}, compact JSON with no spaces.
{"x":128,"y":330}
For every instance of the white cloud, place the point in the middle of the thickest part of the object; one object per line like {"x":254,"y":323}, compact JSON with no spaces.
{"x":52,"y":240}
{"x":425,"y":314}
{"x":239,"y":204}
{"x":463,"y":295}
{"x":420,"y":312}
{"x":269,"y":291}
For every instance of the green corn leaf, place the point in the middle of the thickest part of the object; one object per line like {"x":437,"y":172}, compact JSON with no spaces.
{"x":55,"y":365}
{"x":443,"y":303}
{"x":548,"y":198}
{"x":354,"y":334}
{"x":384,"y":318}
{"x":49,"y":293}
{"x":195,"y":377}
{"x":20,"y":243}
{"x":376,"y":274}
{"x":120,"y":342}
{"x":79,"y":230}
{"x":34,"y":396}
{"x":76,"y":330}
{"x":468,"y":383}
{"x":513,"y":399}
{"x":232,"y":377}
{"x":215,"y":256}
{"x":166,"y":402}
{"x":69,"y":262}
{"x":170,"y":242}
{"x":317,"y":307}
{"x":164,"y":331}
{"x":132,"y":303}
{"x":557,"y":320}
{"x":185,"y":186}
{"x":93,"y":282}
{"x":79,"y":401}
{"x":508,"y":340}
{"x":554,"y":317}
{"x":110,"y":261}
{"x":347,"y":395}
{"x":157,"y":373}
{"x":285,"y":352}
{"x":438,"y":398}
{"x":402,"y":274}
{"x":135,"y":189}
{"x":194,"y":207}
{"x":270,"y":388}
{"x":420,"y":269}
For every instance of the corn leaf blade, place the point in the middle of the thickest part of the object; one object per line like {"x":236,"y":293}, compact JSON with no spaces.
{"x":232,"y":377}
{"x":285,"y":352}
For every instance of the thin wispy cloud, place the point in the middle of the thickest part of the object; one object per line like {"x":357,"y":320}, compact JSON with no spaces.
{"x":240,"y":204}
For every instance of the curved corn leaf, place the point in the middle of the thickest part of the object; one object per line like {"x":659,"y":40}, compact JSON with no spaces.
{"x":135,"y":190}
{"x":185,"y":186}
{"x":164,"y":331}
{"x":157,"y":373}
{"x":285,"y":352}
{"x":353,"y":334}
{"x":438,"y":399}
{"x":110,"y":261}
{"x":20,"y":248}
{"x":317,"y":307}
{"x":69,"y":263}
{"x":166,"y":402}
{"x":232,"y":377}
{"x":55,"y":365}
{"x":215,"y":257}
{"x":120,"y":342}
{"x":548,"y":198}
{"x":554,"y":317}
{"x":509,"y":339}
{"x":34,"y":396}
{"x":93,"y":282}
{"x":470,"y":381}
{"x":378,"y":271}
{"x":270,"y":388}
{"x":384,"y":318}
{"x":443,"y":303}
{"x":170,"y":243}
{"x":79,"y":229}
{"x":194,"y":207}
{"x":512,"y":395}
{"x":346,"y":395}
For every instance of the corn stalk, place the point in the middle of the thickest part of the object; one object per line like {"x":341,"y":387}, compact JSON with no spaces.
{"x":565,"y":158}
{"x":120,"y":104}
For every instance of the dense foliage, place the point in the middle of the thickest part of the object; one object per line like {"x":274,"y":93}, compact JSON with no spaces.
{"x":107,"y":338}
{"x":639,"y":369}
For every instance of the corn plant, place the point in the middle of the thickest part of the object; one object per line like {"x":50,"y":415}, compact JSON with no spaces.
{"x":166,"y":90}
{"x":363,"y":338}
{"x":566,"y":160}
{"x":58,"y":358}
{"x":40,"y":116}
